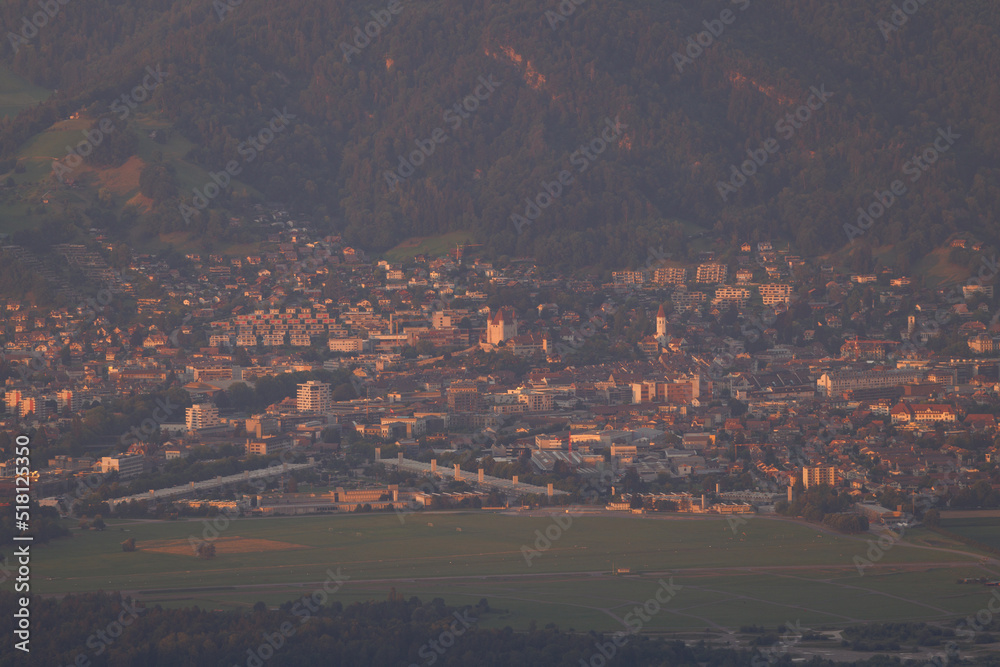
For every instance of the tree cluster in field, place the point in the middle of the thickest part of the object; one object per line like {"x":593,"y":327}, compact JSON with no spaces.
{"x":686,"y":128}
{"x":847,"y":522}
{"x":45,"y":524}
{"x":815,"y":503}
{"x":823,"y":504}
{"x":979,"y":495}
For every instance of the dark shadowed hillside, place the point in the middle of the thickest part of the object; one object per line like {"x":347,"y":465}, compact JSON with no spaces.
{"x":685,"y":115}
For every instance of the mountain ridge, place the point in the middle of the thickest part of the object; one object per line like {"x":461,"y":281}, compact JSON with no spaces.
{"x":690,"y":125}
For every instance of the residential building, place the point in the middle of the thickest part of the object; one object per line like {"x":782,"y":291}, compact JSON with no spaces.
{"x":731,"y":296}
{"x":314,"y":396}
{"x":127,"y":467}
{"x":819,"y":475}
{"x":628,"y":277}
{"x":346,"y":345}
{"x":711,"y":273}
{"x":202,"y":415}
{"x":670,"y":276}
{"x":775,"y":293}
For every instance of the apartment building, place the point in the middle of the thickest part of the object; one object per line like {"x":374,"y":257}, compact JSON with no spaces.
{"x":731,"y":296}
{"x":314,"y":396}
{"x":819,"y":475}
{"x":127,"y":467}
{"x":202,"y":415}
{"x":775,"y":293}
{"x":711,"y":273}
{"x":670,"y":276}
{"x":628,"y":277}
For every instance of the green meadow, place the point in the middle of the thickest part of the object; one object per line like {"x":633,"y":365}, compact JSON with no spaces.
{"x":16,"y":94}
{"x":766,"y":572}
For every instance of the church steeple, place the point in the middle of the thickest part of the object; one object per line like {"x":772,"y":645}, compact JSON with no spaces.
{"x":661,"y":322}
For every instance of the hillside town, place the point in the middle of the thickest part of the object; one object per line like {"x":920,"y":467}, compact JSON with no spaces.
{"x":731,"y":383}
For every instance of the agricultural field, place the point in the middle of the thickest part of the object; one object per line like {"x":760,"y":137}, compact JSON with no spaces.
{"x":38,"y":193}
{"x":985,"y":530}
{"x":16,"y":94}
{"x":763,"y":571}
{"x":428,"y":245}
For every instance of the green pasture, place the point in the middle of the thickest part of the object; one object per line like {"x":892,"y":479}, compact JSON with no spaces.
{"x":428,"y":245}
{"x":770,"y":572}
{"x":983,"y":529}
{"x":17,"y":94}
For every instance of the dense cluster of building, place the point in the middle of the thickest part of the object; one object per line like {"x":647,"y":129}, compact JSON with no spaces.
{"x":754,"y":363}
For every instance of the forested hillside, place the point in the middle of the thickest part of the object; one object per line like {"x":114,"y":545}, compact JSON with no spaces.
{"x":357,"y":104}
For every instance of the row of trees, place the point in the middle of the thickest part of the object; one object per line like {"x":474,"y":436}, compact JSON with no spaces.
{"x":377,"y":633}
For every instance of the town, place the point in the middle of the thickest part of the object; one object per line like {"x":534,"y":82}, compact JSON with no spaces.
{"x":308,"y":377}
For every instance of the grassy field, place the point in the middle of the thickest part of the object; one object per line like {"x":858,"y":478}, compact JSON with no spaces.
{"x":429,"y":245}
{"x":37,"y":188}
{"x":769,"y":572}
{"x":16,"y":94}
{"x":982,"y":529}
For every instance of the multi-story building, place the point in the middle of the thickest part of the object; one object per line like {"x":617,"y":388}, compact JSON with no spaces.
{"x":711,"y":273}
{"x":628,"y":277}
{"x":262,"y":425}
{"x":969,"y":291}
{"x":731,"y":296}
{"x":71,"y":399}
{"x":982,"y":344}
{"x":682,"y":390}
{"x":905,"y":413}
{"x":819,"y":475}
{"x":202,"y":415}
{"x":274,"y":339}
{"x":314,"y":396}
{"x":127,"y":467}
{"x":268,"y":445}
{"x":12,"y":399}
{"x":837,"y":383}
{"x":346,"y":345}
{"x":220,"y":340}
{"x":246,"y":339}
{"x":670,"y":276}
{"x":775,"y":293}
{"x":33,"y":405}
{"x":684,"y":301}
{"x":861,"y":350}
{"x":299,"y":339}
{"x":464,"y":398}
{"x":537,"y":402}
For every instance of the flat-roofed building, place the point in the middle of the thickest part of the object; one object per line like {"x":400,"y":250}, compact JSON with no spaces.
{"x":127,"y":467}
{"x":711,"y":273}
{"x":837,"y":383}
{"x":202,"y":415}
{"x":819,"y":475}
{"x":775,"y":293}
{"x":314,"y":396}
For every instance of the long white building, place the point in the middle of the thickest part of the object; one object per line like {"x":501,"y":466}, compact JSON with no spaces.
{"x":835,"y":384}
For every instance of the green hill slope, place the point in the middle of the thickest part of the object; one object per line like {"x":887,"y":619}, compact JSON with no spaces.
{"x":687,"y":114}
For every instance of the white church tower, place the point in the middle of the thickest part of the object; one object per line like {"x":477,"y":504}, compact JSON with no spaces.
{"x":661,"y":323}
